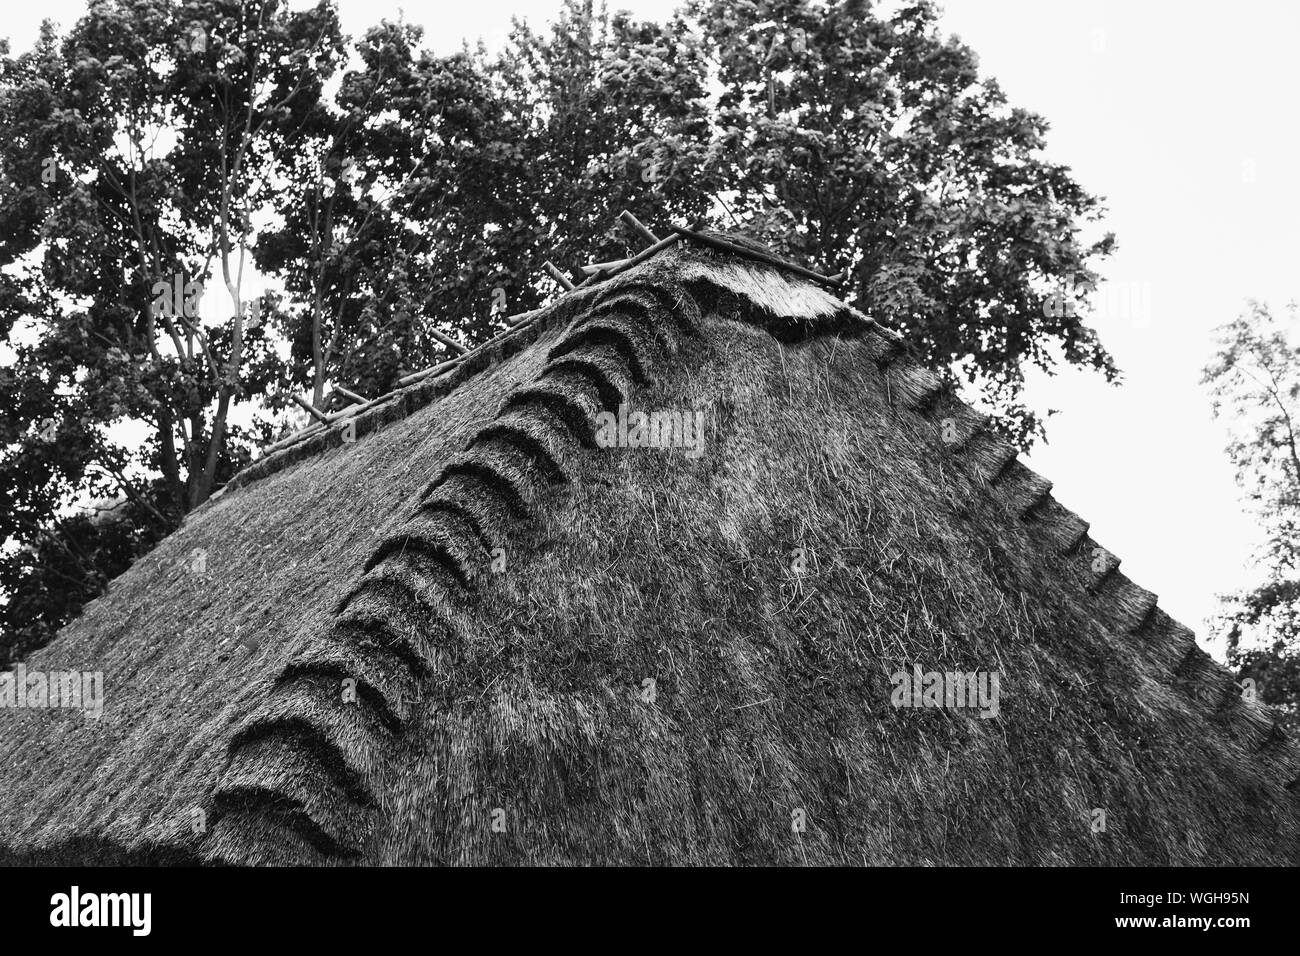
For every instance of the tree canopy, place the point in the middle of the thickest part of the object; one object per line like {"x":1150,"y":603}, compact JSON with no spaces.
{"x":1254,"y":379}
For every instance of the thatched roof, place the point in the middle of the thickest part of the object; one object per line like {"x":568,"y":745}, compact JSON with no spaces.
{"x":565,"y":653}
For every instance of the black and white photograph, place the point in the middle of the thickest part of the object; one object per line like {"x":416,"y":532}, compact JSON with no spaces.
{"x":677,"y":445}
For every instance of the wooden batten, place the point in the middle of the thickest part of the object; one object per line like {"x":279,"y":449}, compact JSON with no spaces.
{"x":352,"y":397}
{"x":448,"y":341}
{"x":554,"y":271}
{"x":637,"y":227}
{"x":311,"y":409}
{"x":421,"y":375}
{"x":595,"y":267}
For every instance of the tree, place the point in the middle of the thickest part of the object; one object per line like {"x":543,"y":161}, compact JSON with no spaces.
{"x":871,"y":143}
{"x":383,"y":213}
{"x":613,"y":114}
{"x":1254,"y":380}
{"x":133,"y":152}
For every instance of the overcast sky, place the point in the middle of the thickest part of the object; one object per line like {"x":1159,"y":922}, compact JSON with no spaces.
{"x":1182,"y":115}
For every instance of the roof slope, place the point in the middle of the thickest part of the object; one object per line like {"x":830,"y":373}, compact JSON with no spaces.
{"x":564,"y":653}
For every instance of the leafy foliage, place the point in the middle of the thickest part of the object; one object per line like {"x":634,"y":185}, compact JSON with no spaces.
{"x":133,"y":150}
{"x":1255,"y":382}
{"x":872,"y":144}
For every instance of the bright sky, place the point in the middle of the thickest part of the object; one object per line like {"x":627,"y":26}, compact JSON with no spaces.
{"x":1182,"y":116}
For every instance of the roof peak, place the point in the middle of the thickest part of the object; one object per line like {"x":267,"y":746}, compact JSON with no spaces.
{"x":778,"y":291}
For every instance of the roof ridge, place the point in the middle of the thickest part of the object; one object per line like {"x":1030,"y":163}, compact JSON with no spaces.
{"x":769,"y":288}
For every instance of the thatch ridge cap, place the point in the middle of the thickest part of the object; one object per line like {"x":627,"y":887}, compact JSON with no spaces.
{"x":771,"y":291}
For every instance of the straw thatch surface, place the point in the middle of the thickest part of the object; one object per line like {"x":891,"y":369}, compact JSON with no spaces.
{"x":648,"y":679}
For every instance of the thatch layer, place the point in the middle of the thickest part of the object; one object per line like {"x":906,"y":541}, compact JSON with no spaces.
{"x":483,"y":637}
